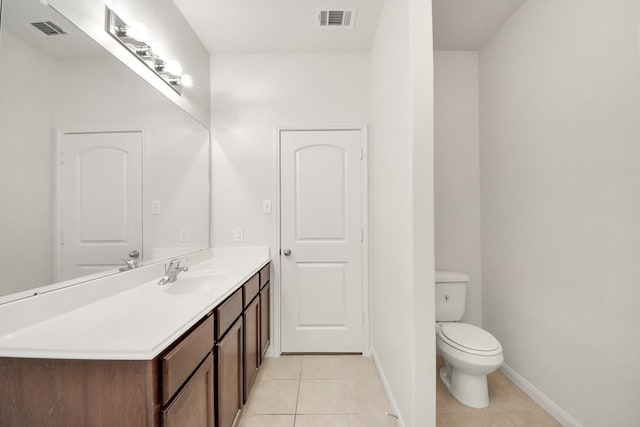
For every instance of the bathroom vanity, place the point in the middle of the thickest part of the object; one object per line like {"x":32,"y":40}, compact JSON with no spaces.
{"x":182,"y":354}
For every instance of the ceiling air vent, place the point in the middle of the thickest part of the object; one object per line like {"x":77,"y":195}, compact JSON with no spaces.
{"x":336,"y":18}
{"x":49,"y":28}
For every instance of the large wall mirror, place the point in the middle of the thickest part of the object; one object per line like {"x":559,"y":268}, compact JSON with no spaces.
{"x":99,"y":170}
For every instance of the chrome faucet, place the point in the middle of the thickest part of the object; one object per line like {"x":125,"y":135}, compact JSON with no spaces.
{"x":131,"y":262}
{"x":172,"y":270}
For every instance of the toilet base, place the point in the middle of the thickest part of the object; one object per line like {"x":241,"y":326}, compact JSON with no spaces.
{"x":470,"y":390}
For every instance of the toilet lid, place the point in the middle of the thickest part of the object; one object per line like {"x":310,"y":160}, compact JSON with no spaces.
{"x":469,"y":338}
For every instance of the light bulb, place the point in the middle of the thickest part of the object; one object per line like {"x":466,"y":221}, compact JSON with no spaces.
{"x":173,"y":67}
{"x":186,"y":80}
{"x":137,"y":31}
{"x":159,"y":50}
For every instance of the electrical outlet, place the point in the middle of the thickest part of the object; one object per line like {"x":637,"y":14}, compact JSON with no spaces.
{"x":155,"y":207}
{"x":239,"y":234}
{"x":184,"y":234}
{"x":266,"y":206}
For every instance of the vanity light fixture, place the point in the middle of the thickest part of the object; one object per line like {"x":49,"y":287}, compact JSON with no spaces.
{"x":135,"y":30}
{"x":133,"y":37}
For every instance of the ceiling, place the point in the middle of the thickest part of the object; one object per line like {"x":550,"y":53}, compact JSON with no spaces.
{"x":469,"y":24}
{"x":289,"y":26}
{"x":279,"y":26}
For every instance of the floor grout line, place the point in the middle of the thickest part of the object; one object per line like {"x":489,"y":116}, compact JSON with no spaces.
{"x":336,"y":374}
{"x":295,"y":414}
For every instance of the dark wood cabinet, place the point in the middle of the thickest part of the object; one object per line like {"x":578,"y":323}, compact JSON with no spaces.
{"x":251,"y":318}
{"x":62,"y":393}
{"x":181,"y":360}
{"x":193,"y":406}
{"x":265,"y":309}
{"x":229,"y":375}
{"x":265,"y":319}
{"x":201,"y":380}
{"x":265,"y":275}
{"x":250,"y":289}
{"x":228,"y":312}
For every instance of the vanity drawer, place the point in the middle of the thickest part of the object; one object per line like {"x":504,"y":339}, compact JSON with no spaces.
{"x":228,"y":312}
{"x":250,"y":289}
{"x":193,"y":406}
{"x":179,"y":363}
{"x":265,"y":273}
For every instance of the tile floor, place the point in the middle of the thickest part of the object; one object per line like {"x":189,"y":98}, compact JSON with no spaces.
{"x":345,"y":391}
{"x":317,"y":391}
{"x":509,"y":407}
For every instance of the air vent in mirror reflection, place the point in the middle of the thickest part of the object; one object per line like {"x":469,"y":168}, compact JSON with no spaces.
{"x":49,"y":28}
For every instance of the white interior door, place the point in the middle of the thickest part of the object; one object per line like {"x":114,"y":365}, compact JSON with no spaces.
{"x":321,"y":240}
{"x":100,"y":200}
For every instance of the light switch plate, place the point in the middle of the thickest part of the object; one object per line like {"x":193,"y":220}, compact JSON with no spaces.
{"x":184,"y":234}
{"x":266,"y":206}
{"x":239,"y":234}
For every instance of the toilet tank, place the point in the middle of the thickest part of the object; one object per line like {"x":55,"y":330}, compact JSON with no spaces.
{"x":451,"y":295}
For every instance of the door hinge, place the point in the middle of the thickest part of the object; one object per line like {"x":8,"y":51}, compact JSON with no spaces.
{"x":362,"y":235}
{"x":361,"y":154}
{"x":362,"y":312}
{"x":61,"y":239}
{"x":62,"y":158}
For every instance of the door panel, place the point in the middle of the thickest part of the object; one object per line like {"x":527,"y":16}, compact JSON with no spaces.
{"x":321,"y":223}
{"x":322,"y":293}
{"x":102,"y":171}
{"x":320,"y":193}
{"x":100,"y":200}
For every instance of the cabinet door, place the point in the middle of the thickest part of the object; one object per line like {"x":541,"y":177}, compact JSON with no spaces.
{"x":265,"y":319}
{"x":229,"y":370}
{"x":193,"y":406}
{"x":251,"y":325}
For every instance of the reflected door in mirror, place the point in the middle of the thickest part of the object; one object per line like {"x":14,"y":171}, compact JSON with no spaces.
{"x":99,"y":200}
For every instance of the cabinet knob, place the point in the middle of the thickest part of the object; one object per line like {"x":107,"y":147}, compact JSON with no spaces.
{"x":286,"y":252}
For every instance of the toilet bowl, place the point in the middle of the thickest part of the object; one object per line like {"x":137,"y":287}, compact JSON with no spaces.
{"x":470,"y":352}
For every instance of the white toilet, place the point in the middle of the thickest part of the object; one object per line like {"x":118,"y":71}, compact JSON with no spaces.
{"x":470,"y":352}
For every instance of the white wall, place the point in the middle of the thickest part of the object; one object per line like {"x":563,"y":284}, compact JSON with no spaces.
{"x":26,"y":91}
{"x":401,"y":207}
{"x":457,"y":172}
{"x":560,"y":143}
{"x":250,"y":95}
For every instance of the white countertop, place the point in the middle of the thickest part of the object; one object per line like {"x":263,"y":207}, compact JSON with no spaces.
{"x":135,"y":324}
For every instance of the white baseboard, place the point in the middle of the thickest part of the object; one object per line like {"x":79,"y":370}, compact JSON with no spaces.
{"x":387,"y":389}
{"x":540,"y":398}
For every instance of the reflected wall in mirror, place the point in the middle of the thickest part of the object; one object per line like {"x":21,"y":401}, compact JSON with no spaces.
{"x":96,"y":164}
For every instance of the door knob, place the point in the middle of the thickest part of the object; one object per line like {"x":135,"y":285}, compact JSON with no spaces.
{"x":134,"y":254}
{"x":286,"y":252}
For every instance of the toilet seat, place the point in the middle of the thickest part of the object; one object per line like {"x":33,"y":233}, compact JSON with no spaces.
{"x":469,"y":339}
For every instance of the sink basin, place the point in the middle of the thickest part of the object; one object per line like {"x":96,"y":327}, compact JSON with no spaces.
{"x":196,"y":282}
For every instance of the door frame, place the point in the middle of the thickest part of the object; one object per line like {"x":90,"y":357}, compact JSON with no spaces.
{"x":275,"y":349}
{"x":57,"y":214}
